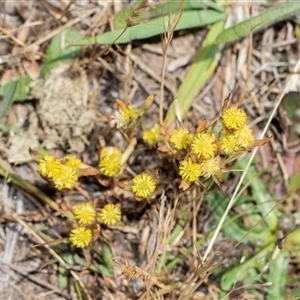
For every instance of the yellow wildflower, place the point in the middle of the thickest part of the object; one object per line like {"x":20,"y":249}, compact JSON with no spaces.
{"x":126,"y":116}
{"x":85,"y":213}
{"x":211,"y":168}
{"x":130,"y":114}
{"x":204,"y":145}
{"x":244,"y":137}
{"x":65,"y":178}
{"x":233,"y":118}
{"x":143,"y":185}
{"x":229,"y":144}
{"x":110,"y":166}
{"x":110,"y":214}
{"x":189,"y":171}
{"x":49,"y":165}
{"x":72,"y":161}
{"x":110,"y":161}
{"x":152,"y":135}
{"x":110,"y":152}
{"x":80,"y":237}
{"x":181,"y":138}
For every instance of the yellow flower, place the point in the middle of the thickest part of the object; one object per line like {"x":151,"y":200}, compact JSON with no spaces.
{"x":152,"y":135}
{"x":181,"y":138}
{"x":126,"y":116}
{"x":229,"y":144}
{"x":49,"y":165}
{"x":110,"y":166}
{"x":110,"y":161}
{"x":211,"y":168}
{"x":244,"y":137}
{"x":110,"y":152}
{"x":143,"y":185}
{"x":204,"y":145}
{"x":80,"y":237}
{"x":72,"y":161}
{"x":233,"y":118}
{"x":65,"y":178}
{"x":130,"y":114}
{"x":189,"y":171}
{"x":85,"y":213}
{"x":110,"y":214}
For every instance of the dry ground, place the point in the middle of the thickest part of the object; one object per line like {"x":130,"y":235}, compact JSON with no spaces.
{"x":253,"y":71}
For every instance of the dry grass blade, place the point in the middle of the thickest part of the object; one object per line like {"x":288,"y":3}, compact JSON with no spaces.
{"x":53,"y":253}
{"x":166,"y":40}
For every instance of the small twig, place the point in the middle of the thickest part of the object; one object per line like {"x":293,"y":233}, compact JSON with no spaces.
{"x":37,"y":280}
{"x":53,"y":253}
{"x":62,"y":28}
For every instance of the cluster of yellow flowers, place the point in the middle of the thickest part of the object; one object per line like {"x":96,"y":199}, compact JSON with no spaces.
{"x":86,"y":216}
{"x":64,"y":174}
{"x":200,"y":154}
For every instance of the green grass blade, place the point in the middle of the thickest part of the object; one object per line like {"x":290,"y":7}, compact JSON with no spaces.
{"x":199,"y":73}
{"x":163,"y":9}
{"x":60,"y":51}
{"x":265,"y":202}
{"x":269,"y":16}
{"x":22,"y":89}
{"x":33,"y":190}
{"x":248,"y":271}
{"x":189,"y":19}
{"x":278,"y":275}
{"x":8,"y":98}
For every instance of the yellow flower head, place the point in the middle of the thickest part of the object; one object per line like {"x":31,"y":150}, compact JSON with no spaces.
{"x":152,"y":135}
{"x":189,"y":171}
{"x":244,"y":137}
{"x":210,"y":168}
{"x":72,"y":161}
{"x":110,"y":152}
{"x":229,"y":144}
{"x":130,"y":114}
{"x":204,"y":145}
{"x":126,"y":116}
{"x":85,"y":213}
{"x":110,"y":166}
{"x":143,"y":185}
{"x":181,"y":138}
{"x":110,"y":214}
{"x":49,"y":166}
{"x":65,"y":178}
{"x":233,"y":118}
{"x":80,"y":237}
{"x":110,"y":161}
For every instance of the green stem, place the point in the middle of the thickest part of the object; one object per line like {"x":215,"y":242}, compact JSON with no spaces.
{"x":30,"y":188}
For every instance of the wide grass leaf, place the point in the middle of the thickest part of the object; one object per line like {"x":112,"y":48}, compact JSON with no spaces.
{"x":189,"y":19}
{"x":22,"y":88}
{"x":60,"y":50}
{"x":249,"y":271}
{"x":265,"y":204}
{"x":162,"y":9}
{"x":200,"y":71}
{"x":8,"y":98}
{"x":278,"y":275}
{"x":266,"y":18}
